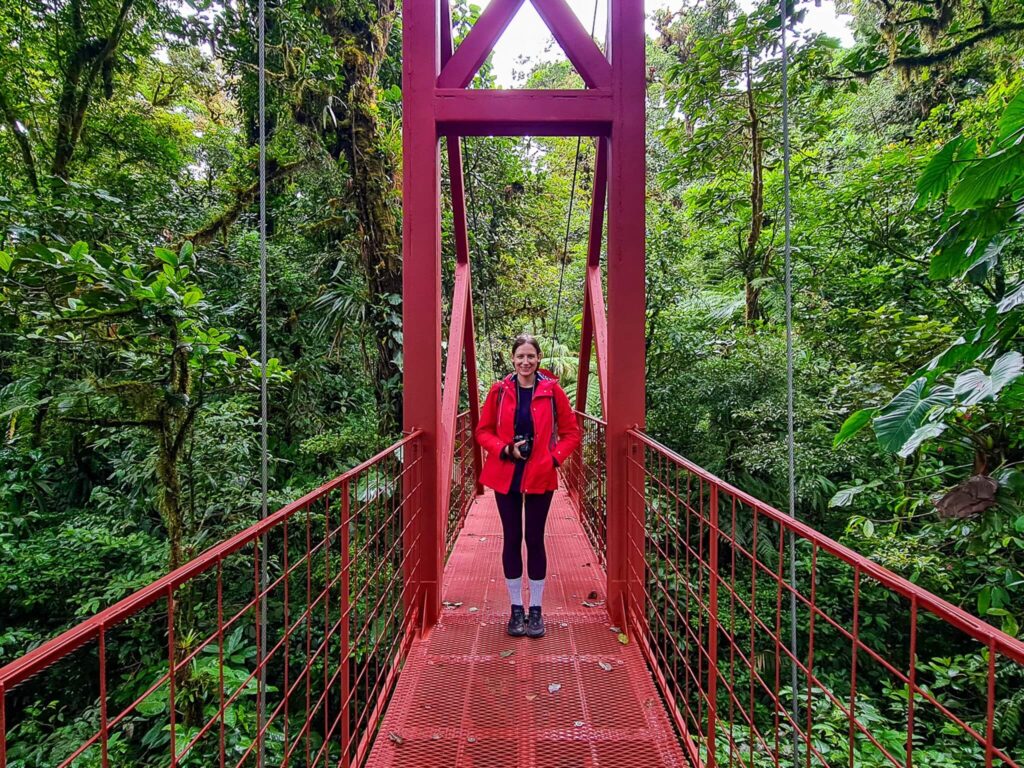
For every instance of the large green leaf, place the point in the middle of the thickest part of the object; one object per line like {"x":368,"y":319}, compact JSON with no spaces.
{"x":1006,"y":370}
{"x":974,"y":386}
{"x":942,"y":170}
{"x":954,"y":256}
{"x":1012,"y":120}
{"x":843,"y":497}
{"x":854,"y":423}
{"x":1013,"y":299}
{"x":897,"y":421}
{"x":922,"y":433}
{"x":987,"y":179}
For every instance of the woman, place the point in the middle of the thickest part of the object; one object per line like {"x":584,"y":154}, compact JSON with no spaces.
{"x":528,"y":428}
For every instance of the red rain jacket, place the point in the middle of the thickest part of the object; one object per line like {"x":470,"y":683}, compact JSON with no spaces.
{"x":550,"y":406}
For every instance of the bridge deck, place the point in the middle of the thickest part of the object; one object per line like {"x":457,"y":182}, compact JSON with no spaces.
{"x":463,"y":700}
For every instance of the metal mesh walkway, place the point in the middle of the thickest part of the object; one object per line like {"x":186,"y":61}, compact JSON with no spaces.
{"x":470,"y":695}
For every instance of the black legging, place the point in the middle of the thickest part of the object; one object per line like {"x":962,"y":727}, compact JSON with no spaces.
{"x":510,"y":508}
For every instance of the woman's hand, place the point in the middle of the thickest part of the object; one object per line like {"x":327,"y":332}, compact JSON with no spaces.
{"x":515,"y":450}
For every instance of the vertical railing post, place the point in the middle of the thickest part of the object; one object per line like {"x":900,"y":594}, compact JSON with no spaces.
{"x":626,"y":302}
{"x":712,"y":627}
{"x":346,"y":610}
{"x":421,"y":292}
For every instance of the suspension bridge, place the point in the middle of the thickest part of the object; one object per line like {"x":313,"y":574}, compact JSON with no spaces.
{"x":363,"y":624}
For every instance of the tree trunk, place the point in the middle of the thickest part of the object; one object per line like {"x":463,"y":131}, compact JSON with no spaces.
{"x":21,"y":138}
{"x":360,"y":42}
{"x":87,"y":59}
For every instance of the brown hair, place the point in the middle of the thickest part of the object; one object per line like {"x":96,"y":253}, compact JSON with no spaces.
{"x":525,"y":338}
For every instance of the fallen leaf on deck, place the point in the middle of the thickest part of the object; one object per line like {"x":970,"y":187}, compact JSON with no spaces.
{"x":578,"y":723}
{"x":531,"y":696}
{"x":562,"y":624}
{"x":605,"y":666}
{"x":506,"y":654}
{"x":616,"y":630}
{"x":395,"y":737}
{"x":435,"y":736}
{"x":588,"y":604}
{"x":554,"y":687}
{"x":471,"y":739}
{"x":623,"y":638}
{"x":474,"y":609}
{"x":451,"y":604}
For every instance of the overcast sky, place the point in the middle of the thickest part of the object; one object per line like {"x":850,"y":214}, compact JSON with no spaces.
{"x":528,"y":36}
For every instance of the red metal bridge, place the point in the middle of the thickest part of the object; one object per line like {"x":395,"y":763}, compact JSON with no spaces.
{"x":363,"y":624}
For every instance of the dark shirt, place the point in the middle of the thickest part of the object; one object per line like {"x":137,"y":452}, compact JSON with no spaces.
{"x":524,"y":428}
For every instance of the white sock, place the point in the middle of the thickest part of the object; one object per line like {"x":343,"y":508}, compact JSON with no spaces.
{"x":515,"y":590}
{"x":536,"y":592}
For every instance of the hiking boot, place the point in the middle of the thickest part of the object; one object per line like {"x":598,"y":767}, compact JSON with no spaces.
{"x":535,"y":624}
{"x":517,"y":624}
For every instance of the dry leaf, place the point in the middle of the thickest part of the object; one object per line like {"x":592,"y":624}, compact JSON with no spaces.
{"x":483,"y":538}
{"x":616,"y":630}
{"x":435,"y":736}
{"x":531,"y":696}
{"x":471,"y":739}
{"x":451,"y":604}
{"x":506,"y":654}
{"x":578,"y":723}
{"x":554,"y":687}
{"x":395,"y":737}
{"x":562,"y":624}
{"x":605,"y":666}
{"x":623,"y":638}
{"x":474,"y":609}
{"x":588,"y":604}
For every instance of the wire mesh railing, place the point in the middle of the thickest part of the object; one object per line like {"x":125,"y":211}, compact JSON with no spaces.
{"x":886,"y":673}
{"x":225,"y":662}
{"x":584,"y":476}
{"x":463,"y":480}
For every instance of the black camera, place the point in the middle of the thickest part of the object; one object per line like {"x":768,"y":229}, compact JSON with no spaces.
{"x":526,"y":447}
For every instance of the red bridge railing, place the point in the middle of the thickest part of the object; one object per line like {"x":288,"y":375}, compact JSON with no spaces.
{"x":584,"y":475}
{"x":464,"y":484}
{"x":279,"y":646}
{"x":887,"y":675}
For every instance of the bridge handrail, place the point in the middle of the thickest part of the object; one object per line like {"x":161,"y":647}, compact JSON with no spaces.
{"x":67,"y":642}
{"x":974,"y":627}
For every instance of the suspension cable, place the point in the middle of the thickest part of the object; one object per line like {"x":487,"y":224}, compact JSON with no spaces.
{"x":264,"y":574}
{"x":790,"y":432}
{"x":572,"y":200}
{"x":473,"y":212}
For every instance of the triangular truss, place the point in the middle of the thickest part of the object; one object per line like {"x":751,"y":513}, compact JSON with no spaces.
{"x":564,"y":25}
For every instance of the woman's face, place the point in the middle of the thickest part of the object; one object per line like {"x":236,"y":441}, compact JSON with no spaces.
{"x":526,"y":360}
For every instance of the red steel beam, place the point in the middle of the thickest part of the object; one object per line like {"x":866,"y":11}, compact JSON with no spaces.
{"x":577,"y":44}
{"x":597,"y":202}
{"x":446,"y":33}
{"x":453,"y":378}
{"x":478,"y":44}
{"x":457,"y":180}
{"x":523,"y":112}
{"x":421,"y":293}
{"x":626,"y":302}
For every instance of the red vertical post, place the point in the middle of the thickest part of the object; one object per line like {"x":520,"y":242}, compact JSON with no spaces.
{"x":711,"y":756}
{"x":421,"y":291}
{"x":346,"y":612}
{"x":626,"y":306}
